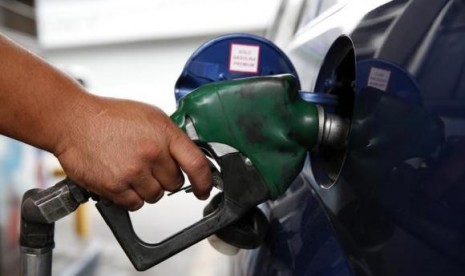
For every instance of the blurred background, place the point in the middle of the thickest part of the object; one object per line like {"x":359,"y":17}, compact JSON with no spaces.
{"x":133,"y":49}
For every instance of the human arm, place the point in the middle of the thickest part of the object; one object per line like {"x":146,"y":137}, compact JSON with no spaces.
{"x":126,"y":151}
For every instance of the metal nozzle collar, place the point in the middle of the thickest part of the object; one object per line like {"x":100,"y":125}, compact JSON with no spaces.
{"x":333,"y":130}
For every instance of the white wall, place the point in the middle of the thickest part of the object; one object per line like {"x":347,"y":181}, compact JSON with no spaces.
{"x":144,"y":71}
{"x":64,"y":23}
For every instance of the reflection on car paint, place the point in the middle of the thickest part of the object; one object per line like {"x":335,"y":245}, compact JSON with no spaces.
{"x":397,"y":207}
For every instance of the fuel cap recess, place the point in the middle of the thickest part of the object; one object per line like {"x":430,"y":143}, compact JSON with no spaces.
{"x":388,"y":77}
{"x":232,"y":56}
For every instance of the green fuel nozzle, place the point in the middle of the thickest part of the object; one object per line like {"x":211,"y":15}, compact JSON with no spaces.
{"x":263,"y":118}
{"x":259,"y":131}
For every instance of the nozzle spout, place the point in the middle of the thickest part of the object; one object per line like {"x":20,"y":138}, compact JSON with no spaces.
{"x":334,"y":131}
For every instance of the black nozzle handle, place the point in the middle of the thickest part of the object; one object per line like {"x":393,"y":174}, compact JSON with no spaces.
{"x":145,"y":255}
{"x":243,"y":189}
{"x":51,"y":204}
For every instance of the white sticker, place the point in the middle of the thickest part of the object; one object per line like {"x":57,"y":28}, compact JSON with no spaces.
{"x":244,"y":58}
{"x":379,"y":78}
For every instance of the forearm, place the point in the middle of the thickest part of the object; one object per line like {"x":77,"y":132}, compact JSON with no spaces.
{"x":36,"y":100}
{"x":125,"y":151}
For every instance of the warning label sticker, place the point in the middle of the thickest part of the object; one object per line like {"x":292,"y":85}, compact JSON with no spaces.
{"x":244,"y":58}
{"x":379,"y":78}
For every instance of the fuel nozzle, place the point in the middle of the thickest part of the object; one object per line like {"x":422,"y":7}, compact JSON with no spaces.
{"x":263,"y":118}
{"x":333,"y":130}
{"x":267,"y":123}
{"x":250,"y":231}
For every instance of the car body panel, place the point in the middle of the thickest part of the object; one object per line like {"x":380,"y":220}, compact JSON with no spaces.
{"x":396,"y":206}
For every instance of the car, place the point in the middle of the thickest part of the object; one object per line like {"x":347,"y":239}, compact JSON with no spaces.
{"x":392,"y":201}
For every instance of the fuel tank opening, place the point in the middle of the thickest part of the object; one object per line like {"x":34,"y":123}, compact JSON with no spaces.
{"x":335,"y":82}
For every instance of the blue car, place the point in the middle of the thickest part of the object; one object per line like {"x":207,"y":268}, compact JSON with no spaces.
{"x":393,"y":201}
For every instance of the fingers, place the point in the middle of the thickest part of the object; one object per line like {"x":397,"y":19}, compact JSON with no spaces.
{"x":128,"y":199}
{"x":133,"y":195}
{"x":120,"y":194}
{"x":129,"y":192}
{"x":148,"y":188}
{"x":141,"y":153}
{"x":193,"y":162}
{"x":167,"y":173}
{"x":150,"y":184}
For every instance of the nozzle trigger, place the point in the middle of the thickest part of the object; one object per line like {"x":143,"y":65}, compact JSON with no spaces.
{"x":187,"y":189}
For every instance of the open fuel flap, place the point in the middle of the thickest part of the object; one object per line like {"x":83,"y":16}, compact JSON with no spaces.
{"x":335,"y":90}
{"x":242,"y":56}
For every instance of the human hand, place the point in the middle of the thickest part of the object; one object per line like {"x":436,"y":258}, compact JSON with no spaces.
{"x":128,"y":152}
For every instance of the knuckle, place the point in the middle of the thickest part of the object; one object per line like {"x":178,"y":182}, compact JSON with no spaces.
{"x":131,"y":172}
{"x":166,"y":125}
{"x":129,"y":203}
{"x":198,"y":164}
{"x":180,"y":140}
{"x":203,"y":181}
{"x":175,"y":183}
{"x":155,"y":197}
{"x":136,"y":205}
{"x":179,"y":182}
{"x":114,"y":187}
{"x":148,"y":150}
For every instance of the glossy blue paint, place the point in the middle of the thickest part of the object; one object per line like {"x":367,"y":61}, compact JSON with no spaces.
{"x":397,"y":207}
{"x":289,"y":249}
